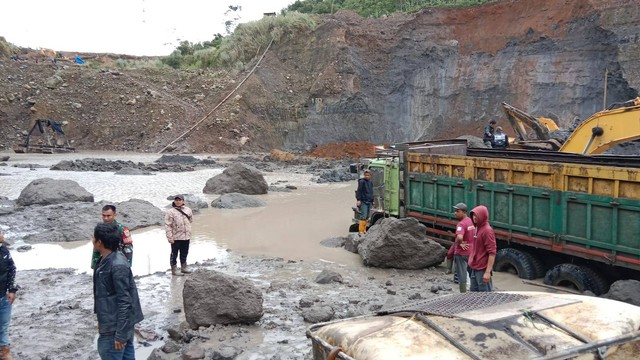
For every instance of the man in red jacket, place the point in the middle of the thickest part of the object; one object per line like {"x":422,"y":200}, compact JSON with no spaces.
{"x":483,"y":251}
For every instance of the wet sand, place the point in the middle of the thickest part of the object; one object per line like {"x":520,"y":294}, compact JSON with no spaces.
{"x":279,"y":243}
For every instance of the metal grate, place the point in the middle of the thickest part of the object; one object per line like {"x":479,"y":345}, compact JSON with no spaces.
{"x":455,"y":304}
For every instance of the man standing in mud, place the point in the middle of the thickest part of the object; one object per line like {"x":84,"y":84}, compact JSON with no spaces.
{"x":177,"y":226}
{"x":483,"y":250}
{"x":462,"y":245}
{"x":364,"y":200}
{"x":115,"y":296}
{"x":126,"y":242}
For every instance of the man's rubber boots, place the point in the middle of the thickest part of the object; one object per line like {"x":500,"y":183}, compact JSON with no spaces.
{"x":5,"y":353}
{"x":362,"y":227}
{"x":174,"y":271}
{"x":449,"y":266}
{"x":463,"y":287}
{"x":185,"y":270}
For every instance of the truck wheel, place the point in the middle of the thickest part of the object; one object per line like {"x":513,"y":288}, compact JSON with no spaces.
{"x":518,"y":262}
{"x":577,"y":277}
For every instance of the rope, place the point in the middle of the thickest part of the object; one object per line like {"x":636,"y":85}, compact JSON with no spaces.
{"x":221,"y":102}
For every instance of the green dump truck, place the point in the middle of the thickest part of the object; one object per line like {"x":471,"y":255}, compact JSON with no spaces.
{"x":572,"y":219}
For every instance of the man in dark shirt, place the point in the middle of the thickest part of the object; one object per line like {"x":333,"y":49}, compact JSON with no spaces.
{"x":126,"y":243}
{"x":116,"y":301}
{"x":487,"y":137}
{"x":364,"y":200}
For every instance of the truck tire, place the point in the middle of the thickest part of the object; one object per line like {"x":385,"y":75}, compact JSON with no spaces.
{"x":525,"y":265}
{"x":578,"y":277}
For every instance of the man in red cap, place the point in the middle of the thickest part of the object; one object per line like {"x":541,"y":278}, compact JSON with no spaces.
{"x":462,"y":245}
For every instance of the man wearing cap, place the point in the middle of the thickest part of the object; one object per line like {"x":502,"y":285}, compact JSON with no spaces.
{"x":126,"y":243}
{"x":177,"y":226}
{"x":462,"y":245}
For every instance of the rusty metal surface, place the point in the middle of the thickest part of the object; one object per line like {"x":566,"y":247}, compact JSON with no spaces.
{"x":459,"y":303}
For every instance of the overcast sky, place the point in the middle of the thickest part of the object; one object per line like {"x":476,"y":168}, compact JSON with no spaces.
{"x":135,"y":27}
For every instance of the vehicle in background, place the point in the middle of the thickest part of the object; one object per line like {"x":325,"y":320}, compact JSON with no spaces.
{"x":569,"y":218}
{"x":617,"y":124}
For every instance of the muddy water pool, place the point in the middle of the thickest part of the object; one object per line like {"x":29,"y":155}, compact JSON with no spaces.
{"x":290,"y":226}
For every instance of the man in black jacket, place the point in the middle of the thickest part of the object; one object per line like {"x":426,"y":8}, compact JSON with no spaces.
{"x":116,"y":301}
{"x":8,"y":290}
{"x":364,"y":200}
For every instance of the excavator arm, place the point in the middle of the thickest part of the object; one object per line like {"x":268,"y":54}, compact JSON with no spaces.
{"x":605,"y":129}
{"x":519,"y":119}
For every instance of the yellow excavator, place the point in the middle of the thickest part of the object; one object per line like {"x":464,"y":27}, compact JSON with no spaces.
{"x":601,"y":131}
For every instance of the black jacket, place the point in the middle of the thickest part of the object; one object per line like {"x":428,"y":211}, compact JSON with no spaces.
{"x":7,"y":272}
{"x":365,"y":191}
{"x":115,"y":297}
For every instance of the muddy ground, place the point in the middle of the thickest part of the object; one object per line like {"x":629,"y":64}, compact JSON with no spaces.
{"x":53,"y":317}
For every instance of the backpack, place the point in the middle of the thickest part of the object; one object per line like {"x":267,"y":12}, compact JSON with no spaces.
{"x":500,"y":140}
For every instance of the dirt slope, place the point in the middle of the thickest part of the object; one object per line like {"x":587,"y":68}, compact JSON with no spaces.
{"x":432,"y":74}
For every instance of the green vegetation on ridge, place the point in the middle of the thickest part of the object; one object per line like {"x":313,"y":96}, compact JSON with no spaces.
{"x":248,"y":40}
{"x":238,"y":49}
{"x":6,"y":49}
{"x":375,"y":8}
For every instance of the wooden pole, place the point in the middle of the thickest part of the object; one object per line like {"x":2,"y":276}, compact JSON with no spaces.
{"x":606,"y":78}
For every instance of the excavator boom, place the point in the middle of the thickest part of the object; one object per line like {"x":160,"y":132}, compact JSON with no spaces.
{"x":605,"y":129}
{"x":519,"y":119}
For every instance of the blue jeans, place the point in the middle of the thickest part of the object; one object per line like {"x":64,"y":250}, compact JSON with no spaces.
{"x":462,"y":269}
{"x":364,"y":209}
{"x":5,"y":319}
{"x":107,"y":349}
{"x":476,"y":281}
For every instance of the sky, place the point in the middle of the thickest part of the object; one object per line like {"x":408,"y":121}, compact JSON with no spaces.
{"x":133,"y":27}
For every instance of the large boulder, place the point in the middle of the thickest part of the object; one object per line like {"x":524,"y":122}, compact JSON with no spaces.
{"x":352,"y":242}
{"x":318,"y":313}
{"x":625,"y":290}
{"x":328,"y":276}
{"x":236,"y":201}
{"x":211,"y":297}
{"x":47,"y":191}
{"x":238,"y":178}
{"x":400,"y":244}
{"x":75,"y":221}
{"x":136,"y":213}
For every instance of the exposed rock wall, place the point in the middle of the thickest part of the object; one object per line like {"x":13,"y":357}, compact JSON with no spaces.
{"x":444,"y":73}
{"x":437,"y":73}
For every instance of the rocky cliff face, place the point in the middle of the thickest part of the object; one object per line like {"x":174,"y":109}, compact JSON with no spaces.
{"x":444,"y":73}
{"x":433,"y":74}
